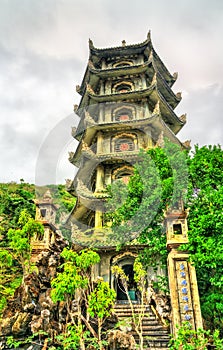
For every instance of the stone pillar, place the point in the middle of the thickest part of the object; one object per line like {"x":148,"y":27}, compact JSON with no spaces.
{"x":102,"y":88}
{"x":98,"y":219}
{"x":99,"y":178}
{"x":143,"y":79}
{"x":149,"y":143}
{"x":185,"y":303}
{"x":99,"y":142}
{"x":101,"y":117}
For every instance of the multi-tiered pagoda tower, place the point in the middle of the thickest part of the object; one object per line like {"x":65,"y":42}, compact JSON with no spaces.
{"x":127,"y":104}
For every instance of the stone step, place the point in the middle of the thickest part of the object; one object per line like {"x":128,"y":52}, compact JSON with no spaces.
{"x":153,"y":333}
{"x":156,"y":336}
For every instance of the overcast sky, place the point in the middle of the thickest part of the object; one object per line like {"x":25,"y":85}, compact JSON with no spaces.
{"x":44,"y":52}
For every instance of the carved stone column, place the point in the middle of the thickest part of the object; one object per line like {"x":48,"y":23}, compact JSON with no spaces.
{"x":99,"y":142}
{"x":185,"y":304}
{"x":99,"y":179}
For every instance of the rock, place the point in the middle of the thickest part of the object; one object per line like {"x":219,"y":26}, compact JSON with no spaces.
{"x":21,"y":324}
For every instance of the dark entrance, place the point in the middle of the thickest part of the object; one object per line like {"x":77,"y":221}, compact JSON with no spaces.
{"x":121,"y":294}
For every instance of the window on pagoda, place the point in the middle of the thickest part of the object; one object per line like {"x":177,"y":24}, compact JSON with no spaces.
{"x":124,"y":176}
{"x":122,"y":87}
{"x":124,"y":145}
{"x":123,"y":173}
{"x":123,"y":115}
{"x":122,"y":64}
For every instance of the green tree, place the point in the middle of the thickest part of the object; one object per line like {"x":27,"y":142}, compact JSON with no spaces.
{"x":100,"y":303}
{"x":15,"y":260}
{"x":75,"y":282}
{"x":163,"y":176}
{"x":206,"y":229}
{"x":159,"y":181}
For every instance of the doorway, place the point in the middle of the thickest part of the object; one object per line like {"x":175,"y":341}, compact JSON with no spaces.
{"x":121,"y":293}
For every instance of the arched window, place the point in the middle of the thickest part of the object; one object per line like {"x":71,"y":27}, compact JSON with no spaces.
{"x":124,"y":144}
{"x":122,"y":87}
{"x":123,"y":115}
{"x":123,"y":173}
{"x":124,"y":176}
{"x":122,"y":64}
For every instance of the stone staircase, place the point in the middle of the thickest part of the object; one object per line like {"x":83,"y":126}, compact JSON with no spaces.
{"x":155,"y":334}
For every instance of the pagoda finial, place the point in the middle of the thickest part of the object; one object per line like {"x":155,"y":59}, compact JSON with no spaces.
{"x":123,"y":43}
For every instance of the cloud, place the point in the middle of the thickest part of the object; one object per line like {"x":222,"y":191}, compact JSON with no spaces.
{"x":44,"y":52}
{"x":205,"y":109}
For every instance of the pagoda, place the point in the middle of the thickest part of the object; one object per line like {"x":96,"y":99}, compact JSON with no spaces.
{"x":127,"y":104}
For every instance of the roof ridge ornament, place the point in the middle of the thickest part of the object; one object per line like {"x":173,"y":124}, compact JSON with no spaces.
{"x":150,"y":56}
{"x":78,"y":88}
{"x":149,"y":35}
{"x":75,"y":108}
{"x":90,"y":90}
{"x":88,"y":118}
{"x":90,"y":42}
{"x":47,"y":197}
{"x":183,"y":118}
{"x":160,"y":142}
{"x":154,"y":81}
{"x":179,"y":95}
{"x":175,"y":75}
{"x":90,"y":64}
{"x":73,"y":131}
{"x":156,"y":110}
{"x":187,"y":144}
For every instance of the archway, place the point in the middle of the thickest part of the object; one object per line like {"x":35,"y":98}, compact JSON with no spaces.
{"x":121,"y":293}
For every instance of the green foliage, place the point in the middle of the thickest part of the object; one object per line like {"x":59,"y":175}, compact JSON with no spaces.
{"x":16,"y":258}
{"x":206,"y":229}
{"x":101,"y":300}
{"x":74,"y":273}
{"x":159,"y":180}
{"x":14,"y":198}
{"x":75,"y":279}
{"x":71,"y":339}
{"x":19,"y":239}
{"x":189,"y":339}
{"x":15,"y":343}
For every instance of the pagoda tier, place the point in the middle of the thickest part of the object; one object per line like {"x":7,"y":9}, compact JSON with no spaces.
{"x":148,"y":68}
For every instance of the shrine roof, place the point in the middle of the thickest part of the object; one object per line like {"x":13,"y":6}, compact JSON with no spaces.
{"x":122,"y":48}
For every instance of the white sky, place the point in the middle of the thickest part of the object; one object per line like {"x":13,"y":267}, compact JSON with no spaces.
{"x":44,"y":52}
